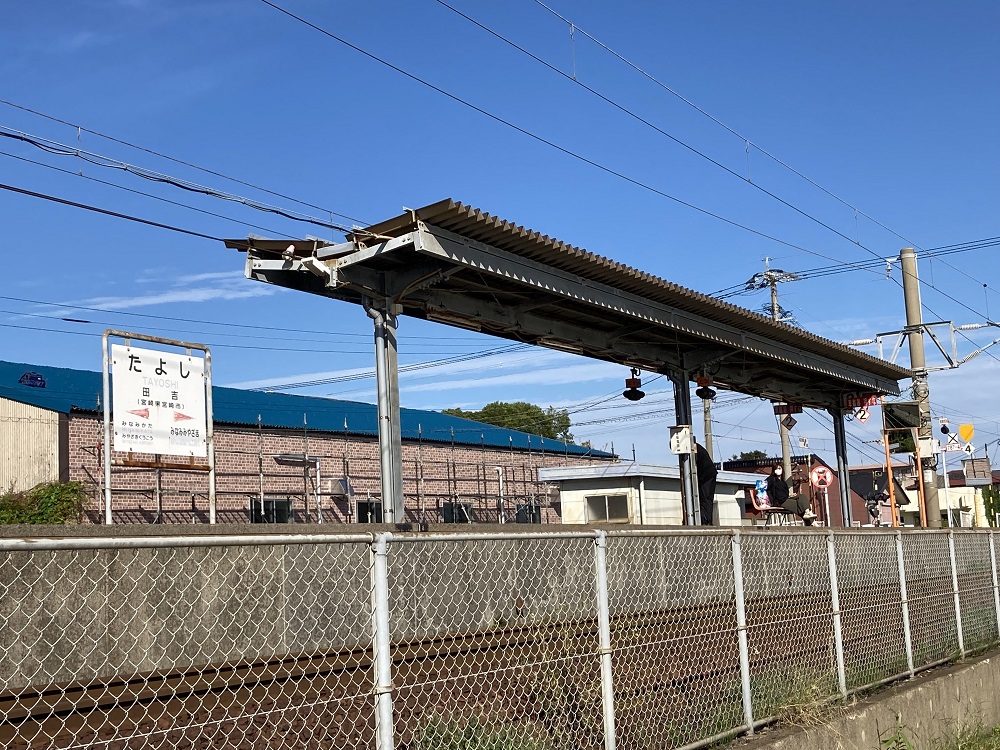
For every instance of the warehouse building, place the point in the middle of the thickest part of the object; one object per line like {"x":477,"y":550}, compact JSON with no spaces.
{"x":278,"y":457}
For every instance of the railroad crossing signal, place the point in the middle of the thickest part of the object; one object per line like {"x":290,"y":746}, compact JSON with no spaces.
{"x":821,"y":477}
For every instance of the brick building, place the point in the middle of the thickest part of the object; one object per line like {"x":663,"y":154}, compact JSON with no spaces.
{"x":278,"y":453}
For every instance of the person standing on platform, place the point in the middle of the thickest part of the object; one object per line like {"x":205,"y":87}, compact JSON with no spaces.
{"x":707,"y":475}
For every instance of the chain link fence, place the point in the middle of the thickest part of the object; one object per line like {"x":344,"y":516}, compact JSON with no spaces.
{"x":514,"y":641}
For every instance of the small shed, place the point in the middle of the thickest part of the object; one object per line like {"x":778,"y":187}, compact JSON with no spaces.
{"x":640,"y":494}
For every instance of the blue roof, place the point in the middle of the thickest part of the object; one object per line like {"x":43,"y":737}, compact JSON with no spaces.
{"x":67,"y":390}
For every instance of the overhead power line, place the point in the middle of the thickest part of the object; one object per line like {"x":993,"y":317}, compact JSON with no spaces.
{"x":99,"y":160}
{"x":175,"y":160}
{"x":108,"y":212}
{"x":639,"y":118}
{"x":144,"y":194}
{"x":717,"y":121}
{"x":541,"y":139}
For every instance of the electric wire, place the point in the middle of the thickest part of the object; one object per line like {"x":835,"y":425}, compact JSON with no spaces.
{"x":144,"y":194}
{"x":541,"y":139}
{"x":108,"y":212}
{"x":99,"y":160}
{"x":630,"y":113}
{"x":714,"y":119}
{"x":182,"y":162}
{"x":70,"y":306}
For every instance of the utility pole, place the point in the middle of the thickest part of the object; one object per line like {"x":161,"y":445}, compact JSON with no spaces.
{"x":707,"y":407}
{"x":918,"y":366}
{"x":770,"y":279}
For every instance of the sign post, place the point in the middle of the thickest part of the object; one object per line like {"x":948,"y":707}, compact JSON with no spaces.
{"x":821,"y":477}
{"x":162,"y":406}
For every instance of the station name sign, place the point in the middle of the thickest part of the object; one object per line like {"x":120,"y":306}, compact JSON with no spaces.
{"x":159,"y":402}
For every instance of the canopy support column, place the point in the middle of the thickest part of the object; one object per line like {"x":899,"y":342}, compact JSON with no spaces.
{"x":843,"y":475}
{"x":389,"y":433}
{"x":689,"y":478}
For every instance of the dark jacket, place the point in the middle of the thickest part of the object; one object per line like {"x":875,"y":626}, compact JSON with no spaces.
{"x":777,"y":489}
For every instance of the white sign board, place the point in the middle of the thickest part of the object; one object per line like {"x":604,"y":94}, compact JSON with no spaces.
{"x":159,"y":402}
{"x":680,"y":440}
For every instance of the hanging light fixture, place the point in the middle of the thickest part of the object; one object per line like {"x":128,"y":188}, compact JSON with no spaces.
{"x":704,"y":392}
{"x":632,"y":385}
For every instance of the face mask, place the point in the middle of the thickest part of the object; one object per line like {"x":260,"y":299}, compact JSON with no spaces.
{"x":778,"y":472}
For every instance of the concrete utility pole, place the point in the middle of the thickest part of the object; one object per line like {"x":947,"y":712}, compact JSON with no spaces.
{"x":918,"y":366}
{"x":786,"y":442}
{"x":707,"y":406}
{"x":770,"y":279}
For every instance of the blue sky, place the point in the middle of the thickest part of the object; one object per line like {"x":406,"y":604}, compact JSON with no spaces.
{"x":891,"y":107}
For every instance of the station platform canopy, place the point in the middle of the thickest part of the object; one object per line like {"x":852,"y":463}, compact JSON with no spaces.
{"x":454,"y":264}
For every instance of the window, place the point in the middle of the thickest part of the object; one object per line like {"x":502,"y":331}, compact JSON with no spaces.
{"x":607,"y":508}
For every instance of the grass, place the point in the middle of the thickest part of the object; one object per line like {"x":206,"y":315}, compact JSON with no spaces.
{"x":443,"y":734}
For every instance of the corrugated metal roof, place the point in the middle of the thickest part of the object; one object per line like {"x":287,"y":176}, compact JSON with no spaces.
{"x":69,"y":390}
{"x":480,"y":226}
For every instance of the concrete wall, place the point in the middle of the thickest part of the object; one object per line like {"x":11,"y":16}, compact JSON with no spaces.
{"x":932,"y":707}
{"x":29,"y":445}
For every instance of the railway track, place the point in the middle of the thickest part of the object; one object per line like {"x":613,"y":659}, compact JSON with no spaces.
{"x":547,"y":674}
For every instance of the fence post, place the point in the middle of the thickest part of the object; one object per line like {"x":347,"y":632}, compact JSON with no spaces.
{"x":741,"y":631}
{"x":604,"y":635}
{"x":838,"y":637}
{"x":996,"y":589}
{"x":954,"y":590}
{"x":382,"y":659}
{"x":904,"y":603}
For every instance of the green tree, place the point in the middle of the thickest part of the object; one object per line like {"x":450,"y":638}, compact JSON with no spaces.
{"x":749,"y":456}
{"x":520,"y":415}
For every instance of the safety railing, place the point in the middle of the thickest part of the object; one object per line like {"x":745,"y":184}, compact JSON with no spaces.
{"x":522,"y":641}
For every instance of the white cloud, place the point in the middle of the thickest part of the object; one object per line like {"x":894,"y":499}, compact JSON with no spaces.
{"x":195,"y":294}
{"x":550,"y":376}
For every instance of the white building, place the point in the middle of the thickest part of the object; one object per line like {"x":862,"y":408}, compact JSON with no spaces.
{"x":640,"y":494}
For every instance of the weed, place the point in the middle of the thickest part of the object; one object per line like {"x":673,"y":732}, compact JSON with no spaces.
{"x":897,"y":739}
{"x":474,"y":734}
{"x":48,"y":503}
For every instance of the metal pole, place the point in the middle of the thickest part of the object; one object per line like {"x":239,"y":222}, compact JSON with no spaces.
{"x":826,"y":504}
{"x":210,"y":436}
{"x":741,"y":632}
{"x":107,"y":427}
{"x":891,"y":486}
{"x":843,"y":475}
{"x":904,"y":603}
{"x":395,"y":427}
{"x":386,"y":415}
{"x":159,"y":492}
{"x":604,"y":628}
{"x":996,"y":589}
{"x":500,"y":499}
{"x":260,"y":466}
{"x":947,"y":495}
{"x":954,"y":589}
{"x":918,"y":366}
{"x":689,"y":483}
{"x":380,"y":642}
{"x":838,"y":637}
